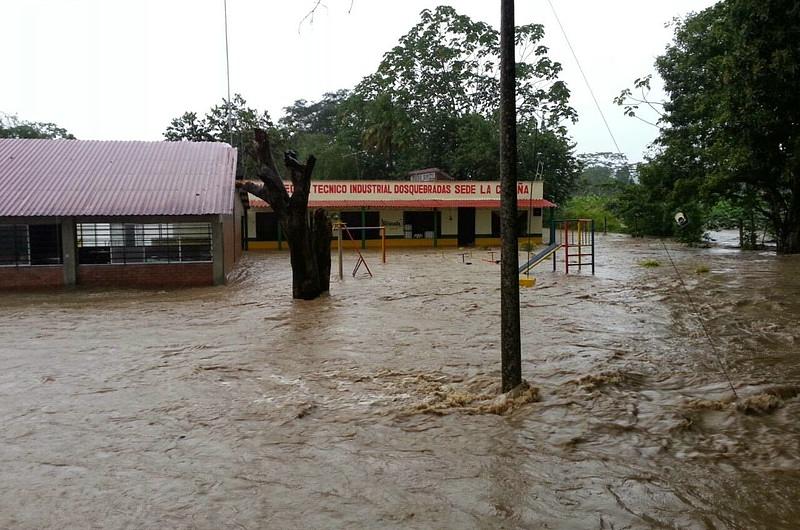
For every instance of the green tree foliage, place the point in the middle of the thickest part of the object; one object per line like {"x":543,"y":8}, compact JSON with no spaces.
{"x":433,"y":102}
{"x":648,"y":207}
{"x":213,"y":127}
{"x":12,"y":127}
{"x":598,"y":207}
{"x":320,"y":117}
{"x":322,"y":128}
{"x":730,"y":124}
{"x":605,"y":173}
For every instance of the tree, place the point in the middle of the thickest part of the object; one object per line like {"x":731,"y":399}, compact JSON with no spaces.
{"x":12,"y":127}
{"x":215,"y":127}
{"x":730,"y":124}
{"x":438,"y":90}
{"x":309,"y":239}
{"x":561,"y":169}
{"x":319,"y":117}
{"x":632,"y":101}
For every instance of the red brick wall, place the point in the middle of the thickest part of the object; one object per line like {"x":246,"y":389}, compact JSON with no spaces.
{"x":147,"y":275}
{"x":31,"y":277}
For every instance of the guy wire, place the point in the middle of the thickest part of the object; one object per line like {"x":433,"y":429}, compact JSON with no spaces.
{"x":700,"y":319}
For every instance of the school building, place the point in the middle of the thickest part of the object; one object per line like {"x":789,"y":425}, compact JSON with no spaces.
{"x":117,"y":214}
{"x":429,"y":210}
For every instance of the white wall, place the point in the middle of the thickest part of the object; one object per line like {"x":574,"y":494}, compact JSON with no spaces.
{"x":449,"y":221}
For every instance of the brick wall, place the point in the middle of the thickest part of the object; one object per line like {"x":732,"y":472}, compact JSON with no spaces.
{"x":31,"y":277}
{"x":147,"y":275}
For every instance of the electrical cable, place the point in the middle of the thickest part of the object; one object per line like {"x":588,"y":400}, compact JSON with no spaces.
{"x":696,"y":312}
{"x":585,"y":79}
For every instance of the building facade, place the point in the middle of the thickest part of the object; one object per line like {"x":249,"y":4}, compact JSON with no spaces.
{"x":416,"y":213}
{"x":108,"y":213}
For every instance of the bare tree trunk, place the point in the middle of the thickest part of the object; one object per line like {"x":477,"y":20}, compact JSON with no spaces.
{"x":309,"y":239}
{"x":322,"y":230}
{"x":787,"y":227}
{"x":510,"y":349}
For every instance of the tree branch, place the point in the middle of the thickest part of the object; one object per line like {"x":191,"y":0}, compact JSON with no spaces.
{"x":273,"y":191}
{"x":310,"y":15}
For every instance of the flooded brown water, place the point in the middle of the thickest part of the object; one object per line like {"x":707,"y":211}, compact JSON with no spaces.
{"x":237,"y":407}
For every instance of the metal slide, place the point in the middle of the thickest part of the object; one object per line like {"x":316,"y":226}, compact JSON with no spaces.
{"x":540,"y":257}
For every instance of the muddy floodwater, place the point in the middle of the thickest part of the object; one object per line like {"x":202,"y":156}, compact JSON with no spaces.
{"x":374,"y":407}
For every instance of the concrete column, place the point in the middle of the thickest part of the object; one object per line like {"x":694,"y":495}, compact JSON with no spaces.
{"x":435,"y":227}
{"x":69,"y":251}
{"x":363,"y":232}
{"x":218,"y":250}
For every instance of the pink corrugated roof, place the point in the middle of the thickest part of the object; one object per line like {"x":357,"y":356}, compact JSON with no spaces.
{"x":112,"y":178}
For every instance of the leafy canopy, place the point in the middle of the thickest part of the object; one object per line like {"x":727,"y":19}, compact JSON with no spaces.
{"x":12,"y":127}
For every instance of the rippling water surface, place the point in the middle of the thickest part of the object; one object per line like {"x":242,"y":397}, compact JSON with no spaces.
{"x":238,"y":407}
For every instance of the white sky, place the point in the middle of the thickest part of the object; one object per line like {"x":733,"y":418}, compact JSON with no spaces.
{"x":121,"y":69}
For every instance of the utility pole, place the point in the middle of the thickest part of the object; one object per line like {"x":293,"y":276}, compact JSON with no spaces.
{"x":228,"y":71}
{"x":510,"y":347}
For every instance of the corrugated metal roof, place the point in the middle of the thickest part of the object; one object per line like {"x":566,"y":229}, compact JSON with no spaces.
{"x":256,"y":202}
{"x":113,"y":178}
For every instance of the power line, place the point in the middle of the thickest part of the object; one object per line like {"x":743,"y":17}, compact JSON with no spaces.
{"x":585,"y":79}
{"x":694,"y":308}
{"x":699,"y":319}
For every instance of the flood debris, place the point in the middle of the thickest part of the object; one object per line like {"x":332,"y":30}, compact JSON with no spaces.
{"x":477,"y":395}
{"x":768,"y":401}
{"x":592,"y":382}
{"x":305,"y":410}
{"x":764,"y":402}
{"x":707,"y":404}
{"x":759,"y":404}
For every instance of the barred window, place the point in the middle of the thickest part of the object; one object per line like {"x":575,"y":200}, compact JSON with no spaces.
{"x":121,"y":243}
{"x":22,"y":245}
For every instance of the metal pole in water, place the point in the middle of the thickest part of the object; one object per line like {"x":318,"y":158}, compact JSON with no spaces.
{"x":383,"y":243}
{"x":228,"y":73}
{"x":339,"y":237}
{"x":592,"y":246}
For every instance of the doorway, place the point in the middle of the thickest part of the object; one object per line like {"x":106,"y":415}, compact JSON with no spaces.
{"x":466,"y":227}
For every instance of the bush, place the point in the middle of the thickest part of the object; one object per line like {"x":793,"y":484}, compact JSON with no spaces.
{"x":593,"y":207}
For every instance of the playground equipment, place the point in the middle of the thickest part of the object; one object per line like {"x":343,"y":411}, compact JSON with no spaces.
{"x":342,"y":228}
{"x":491,"y":257}
{"x":575,"y":236}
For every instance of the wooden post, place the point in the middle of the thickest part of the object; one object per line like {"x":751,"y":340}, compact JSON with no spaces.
{"x":566,"y":246}
{"x":339,"y":237}
{"x":592,"y":246}
{"x":363,"y":232}
{"x":510,"y":346}
{"x":383,"y":243}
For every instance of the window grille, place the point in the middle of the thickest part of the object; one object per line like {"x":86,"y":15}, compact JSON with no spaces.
{"x":123,"y":243}
{"x":24,"y":245}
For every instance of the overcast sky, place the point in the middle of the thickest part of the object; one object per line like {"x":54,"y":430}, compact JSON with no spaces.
{"x":121,"y":69}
